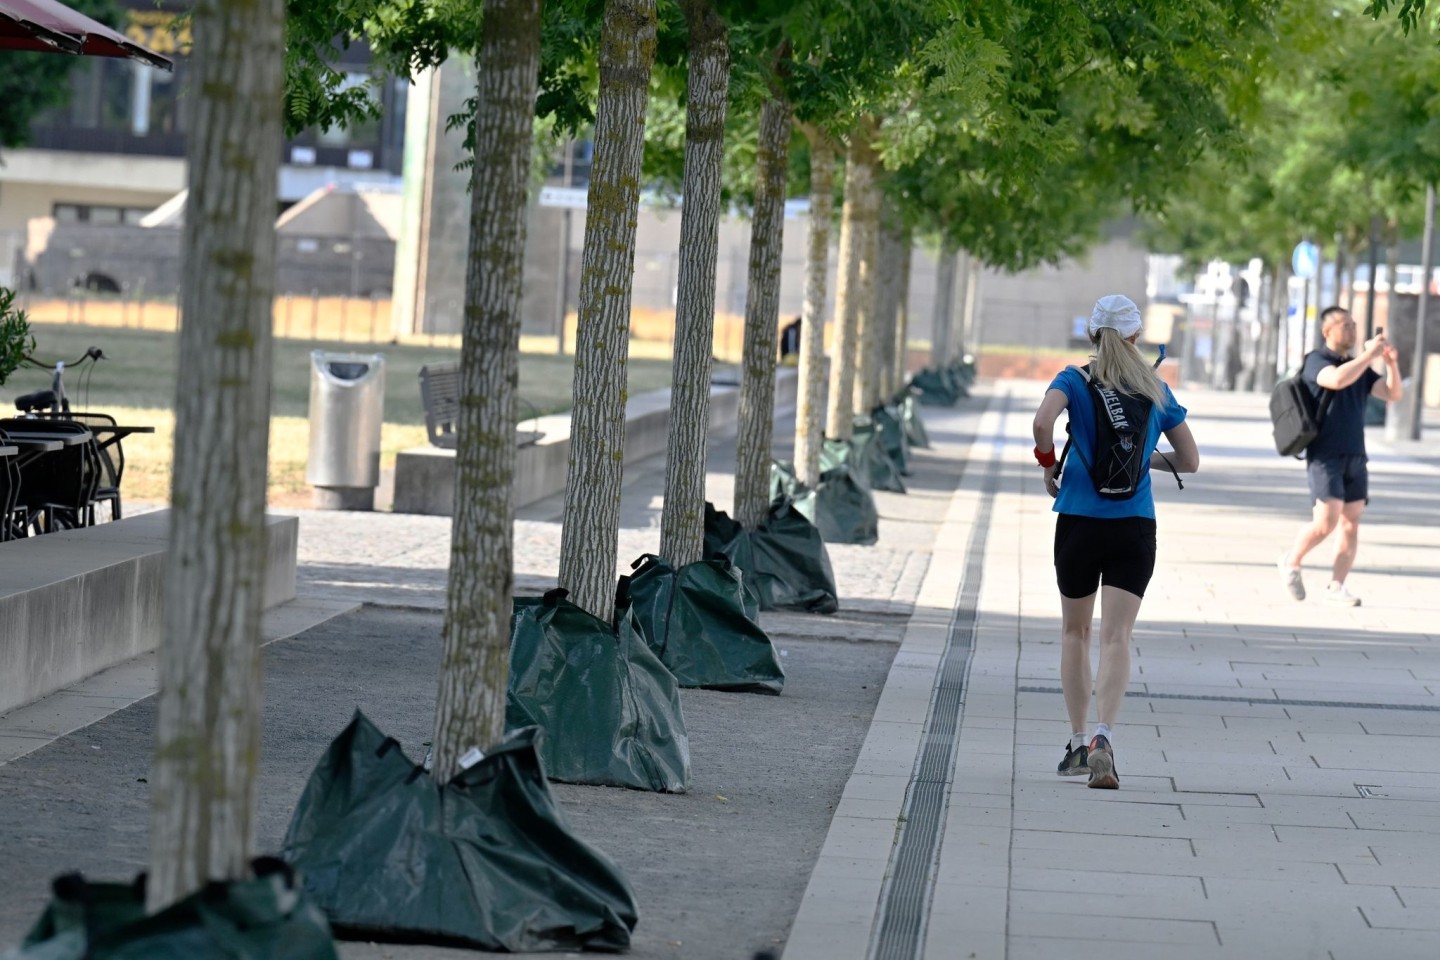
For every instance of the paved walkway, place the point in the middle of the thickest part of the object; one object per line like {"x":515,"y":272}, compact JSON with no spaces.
{"x":1279,"y":791}
{"x":1278,"y":796}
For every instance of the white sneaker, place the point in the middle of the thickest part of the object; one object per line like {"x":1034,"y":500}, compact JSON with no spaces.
{"x":1338,"y":595}
{"x":1290,"y":577}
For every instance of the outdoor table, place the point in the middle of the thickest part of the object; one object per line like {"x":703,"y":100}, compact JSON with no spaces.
{"x":32,"y":445}
{"x":109,"y":434}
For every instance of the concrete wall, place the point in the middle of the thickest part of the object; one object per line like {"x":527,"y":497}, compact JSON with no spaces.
{"x":75,"y":602}
{"x":1038,"y":308}
{"x":148,"y":260}
{"x":425,"y":476}
{"x":1035,"y":308}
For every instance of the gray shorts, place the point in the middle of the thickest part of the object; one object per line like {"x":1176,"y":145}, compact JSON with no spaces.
{"x":1340,"y":476}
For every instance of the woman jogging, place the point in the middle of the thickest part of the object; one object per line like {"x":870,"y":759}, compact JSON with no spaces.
{"x":1105,"y":531}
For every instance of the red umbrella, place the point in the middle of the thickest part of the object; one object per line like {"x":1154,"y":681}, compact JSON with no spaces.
{"x":50,"y":26}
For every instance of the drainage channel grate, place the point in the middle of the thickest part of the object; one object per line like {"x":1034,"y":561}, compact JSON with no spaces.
{"x":1261,"y":701}
{"x":905,"y":903}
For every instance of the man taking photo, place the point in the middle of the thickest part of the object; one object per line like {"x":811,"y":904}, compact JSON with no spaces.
{"x":1335,"y":460}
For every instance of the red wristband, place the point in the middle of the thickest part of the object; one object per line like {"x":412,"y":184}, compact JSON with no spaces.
{"x":1046,"y":459}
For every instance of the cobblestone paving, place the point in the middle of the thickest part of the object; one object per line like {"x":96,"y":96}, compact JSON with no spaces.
{"x":401,"y":559}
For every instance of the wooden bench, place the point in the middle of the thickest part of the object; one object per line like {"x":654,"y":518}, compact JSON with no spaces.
{"x":440,"y":396}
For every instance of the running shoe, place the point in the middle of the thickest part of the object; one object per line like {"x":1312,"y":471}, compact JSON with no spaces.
{"x":1338,"y":595}
{"x":1074,"y":763}
{"x":1290,"y":576}
{"x":1102,"y":765}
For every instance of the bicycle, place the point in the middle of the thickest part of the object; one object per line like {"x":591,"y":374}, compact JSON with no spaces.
{"x":30,"y":404}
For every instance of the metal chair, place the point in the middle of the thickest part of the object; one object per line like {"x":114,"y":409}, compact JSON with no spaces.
{"x":111,"y":459}
{"x":57,"y":489}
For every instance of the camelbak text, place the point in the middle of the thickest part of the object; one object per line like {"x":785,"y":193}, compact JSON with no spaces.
{"x":1114,"y":408}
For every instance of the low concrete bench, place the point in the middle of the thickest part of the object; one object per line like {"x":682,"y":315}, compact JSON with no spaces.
{"x":425,"y":476}
{"x":77,"y":601}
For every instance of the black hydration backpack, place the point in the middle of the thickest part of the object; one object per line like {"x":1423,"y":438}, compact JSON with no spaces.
{"x":1295,"y":415}
{"x":1122,"y":437}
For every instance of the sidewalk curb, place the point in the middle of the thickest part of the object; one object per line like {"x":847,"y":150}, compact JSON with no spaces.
{"x":28,"y":728}
{"x":838,"y":912}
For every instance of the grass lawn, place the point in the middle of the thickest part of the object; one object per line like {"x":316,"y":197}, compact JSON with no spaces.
{"x":136,"y":383}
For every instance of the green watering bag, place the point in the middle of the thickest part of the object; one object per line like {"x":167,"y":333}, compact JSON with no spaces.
{"x":783,"y":560}
{"x":609,"y":708}
{"x":696,"y":621}
{"x":485,"y":860}
{"x":842,"y":508}
{"x":267,"y":918}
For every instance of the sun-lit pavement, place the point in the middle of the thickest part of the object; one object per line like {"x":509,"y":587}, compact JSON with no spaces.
{"x":1279,"y":792}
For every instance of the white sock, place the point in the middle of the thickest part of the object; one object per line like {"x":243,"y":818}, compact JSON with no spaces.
{"x":1077,"y":740}
{"x":1103,"y":731}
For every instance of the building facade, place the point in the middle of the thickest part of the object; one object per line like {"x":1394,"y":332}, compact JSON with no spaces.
{"x":116,"y":151}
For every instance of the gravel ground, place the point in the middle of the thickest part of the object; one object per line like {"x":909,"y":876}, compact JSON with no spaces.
{"x":719,"y":872}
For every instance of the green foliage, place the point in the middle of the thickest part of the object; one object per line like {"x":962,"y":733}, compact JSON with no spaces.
{"x":32,"y":83}
{"x":404,"y":37}
{"x":1408,"y":12}
{"x":1348,"y":129}
{"x":1024,"y":125}
{"x":16,"y":339}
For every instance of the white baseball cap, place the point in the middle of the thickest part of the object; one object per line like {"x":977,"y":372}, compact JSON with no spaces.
{"x":1118,"y":312}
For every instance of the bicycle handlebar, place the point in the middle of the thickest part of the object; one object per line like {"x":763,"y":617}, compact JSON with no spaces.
{"x":92,"y":354}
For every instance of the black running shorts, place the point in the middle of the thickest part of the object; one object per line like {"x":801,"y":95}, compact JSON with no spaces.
{"x":1340,"y":476}
{"x":1119,"y":552}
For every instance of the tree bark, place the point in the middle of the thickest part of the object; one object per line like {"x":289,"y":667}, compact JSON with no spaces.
{"x":682,"y":519}
{"x":809,"y":426}
{"x":887,"y":303}
{"x":1372,"y":257}
{"x":859,"y":170}
{"x":969,"y":310}
{"x":867,"y":323}
{"x":1266,"y":375}
{"x":762,"y":311}
{"x":207,"y":738}
{"x":591,"y":521}
{"x":475,"y":653}
{"x":901,"y":351}
{"x":942,"y":320}
{"x":1392,"y":267}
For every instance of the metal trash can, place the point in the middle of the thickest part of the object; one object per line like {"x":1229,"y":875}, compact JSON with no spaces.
{"x":347,"y":407}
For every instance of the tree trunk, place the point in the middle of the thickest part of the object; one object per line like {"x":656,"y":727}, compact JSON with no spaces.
{"x":969,"y":309}
{"x":1344,"y":273}
{"x":867,"y":323}
{"x":1266,"y":374}
{"x":1416,"y":399}
{"x":947,"y":266}
{"x":475,"y":655}
{"x":762,"y":312}
{"x":682,"y":520}
{"x":207,"y":737}
{"x":1317,"y":338}
{"x":1372,"y":258}
{"x":809,"y":428}
{"x":902,"y":311}
{"x":887,"y":303}
{"x":859,"y":171}
{"x":591,"y":522}
{"x":1392,"y":267}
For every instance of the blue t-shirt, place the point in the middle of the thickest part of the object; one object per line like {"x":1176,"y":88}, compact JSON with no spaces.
{"x":1077,"y":492}
{"x":1343,"y":429}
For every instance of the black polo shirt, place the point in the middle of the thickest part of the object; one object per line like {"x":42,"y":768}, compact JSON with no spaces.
{"x":1343,"y":429}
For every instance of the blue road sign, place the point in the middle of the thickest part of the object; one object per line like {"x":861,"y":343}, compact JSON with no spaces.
{"x":1305,"y":260}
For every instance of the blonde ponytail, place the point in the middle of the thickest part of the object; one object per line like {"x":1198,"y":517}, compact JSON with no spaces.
{"x":1119,"y":365}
